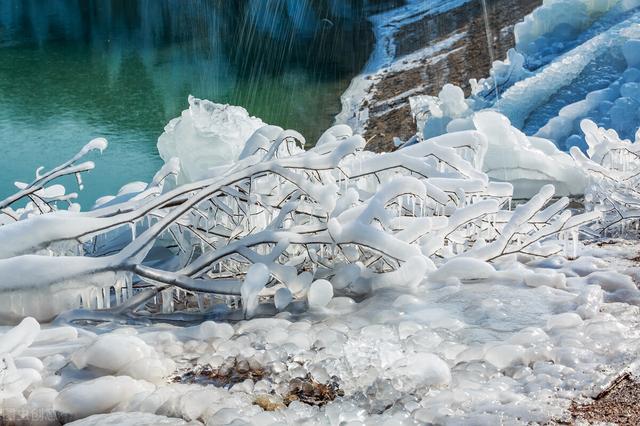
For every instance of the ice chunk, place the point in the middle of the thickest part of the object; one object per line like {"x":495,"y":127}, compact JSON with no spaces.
{"x":124,"y":354}
{"x":426,"y":368}
{"x":612,"y":281}
{"x":320,"y":294}
{"x":550,"y":279}
{"x":112,"y":352}
{"x":206,"y":136}
{"x":503,"y":356}
{"x":42,"y":398}
{"x":209,"y":330}
{"x":98,"y":396}
{"x":565,"y":320}
{"x":14,"y":380}
{"x":282,"y":298}
{"x":20,"y":337}
{"x":465,"y":269}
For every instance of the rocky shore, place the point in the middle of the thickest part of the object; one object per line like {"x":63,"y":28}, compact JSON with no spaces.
{"x":447,"y":44}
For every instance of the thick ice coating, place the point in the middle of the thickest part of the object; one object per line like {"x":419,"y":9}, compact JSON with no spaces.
{"x":205,"y":137}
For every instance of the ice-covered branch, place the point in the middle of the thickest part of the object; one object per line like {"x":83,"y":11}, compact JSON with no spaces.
{"x":273,"y":226}
{"x":37,"y":190}
{"x":614,"y":169}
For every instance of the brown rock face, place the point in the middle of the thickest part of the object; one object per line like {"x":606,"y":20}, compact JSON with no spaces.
{"x":469,"y":57}
{"x":617,"y":404}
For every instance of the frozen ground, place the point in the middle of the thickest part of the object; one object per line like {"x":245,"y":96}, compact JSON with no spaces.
{"x":514,"y":344}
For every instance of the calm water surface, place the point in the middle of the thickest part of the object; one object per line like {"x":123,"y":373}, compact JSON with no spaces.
{"x":72,"y":70}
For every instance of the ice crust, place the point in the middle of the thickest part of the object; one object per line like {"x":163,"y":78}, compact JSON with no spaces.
{"x":558,"y":21}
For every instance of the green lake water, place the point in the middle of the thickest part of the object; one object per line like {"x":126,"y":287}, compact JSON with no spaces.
{"x":72,"y":70}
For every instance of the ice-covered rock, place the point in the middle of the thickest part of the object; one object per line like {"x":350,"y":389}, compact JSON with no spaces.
{"x":131,"y":419}
{"x":320,"y":294}
{"x":123,"y":354}
{"x":426,"y":368}
{"x":98,"y":396}
{"x":527,"y":163}
{"x":464,"y":269}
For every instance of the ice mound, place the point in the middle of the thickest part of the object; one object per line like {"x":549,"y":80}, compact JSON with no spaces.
{"x":124,"y":355}
{"x":556,"y":22}
{"x":206,"y":136}
{"x":131,"y":419}
{"x":527,"y":163}
{"x":434,"y":113}
{"x":98,"y":396}
{"x":616,"y":106}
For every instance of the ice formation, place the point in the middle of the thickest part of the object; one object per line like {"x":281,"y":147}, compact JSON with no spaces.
{"x":566,"y":51}
{"x":613,"y":166}
{"x":556,"y":22}
{"x":516,"y":352}
{"x":279,"y":216}
{"x":205,"y":137}
{"x":404,"y":284}
{"x":421,"y":232}
{"x":526,"y":162}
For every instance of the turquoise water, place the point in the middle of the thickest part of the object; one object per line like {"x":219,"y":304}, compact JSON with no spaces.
{"x":72,"y":70}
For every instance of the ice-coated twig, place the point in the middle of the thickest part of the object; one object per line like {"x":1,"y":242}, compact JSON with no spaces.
{"x":614,"y":169}
{"x":67,"y":168}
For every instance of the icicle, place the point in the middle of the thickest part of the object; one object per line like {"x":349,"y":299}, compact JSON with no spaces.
{"x":129,"y":281}
{"x":106,"y":295}
{"x":167,"y":301}
{"x":201,"y":302}
{"x":79,"y":181}
{"x":99,"y":299}
{"x":117,"y":291}
{"x":132,"y":225}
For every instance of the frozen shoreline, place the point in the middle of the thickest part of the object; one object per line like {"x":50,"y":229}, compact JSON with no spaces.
{"x":376,"y":102}
{"x":385,"y":26}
